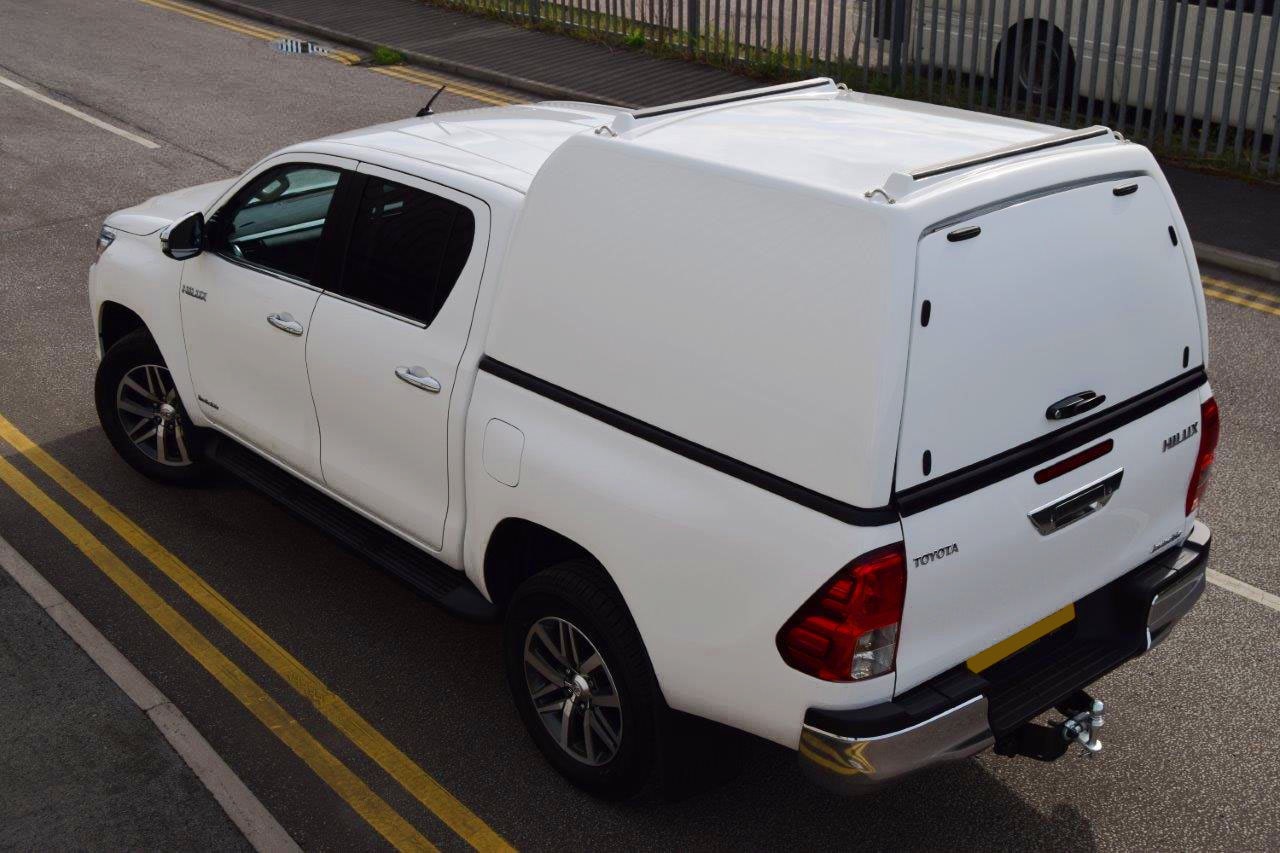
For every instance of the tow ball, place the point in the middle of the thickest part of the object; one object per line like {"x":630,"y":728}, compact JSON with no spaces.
{"x":1048,"y":743}
{"x":1082,"y":726}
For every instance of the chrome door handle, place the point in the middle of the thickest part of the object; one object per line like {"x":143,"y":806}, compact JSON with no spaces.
{"x":285,"y":323}
{"x":1069,"y":509}
{"x":418,"y":378}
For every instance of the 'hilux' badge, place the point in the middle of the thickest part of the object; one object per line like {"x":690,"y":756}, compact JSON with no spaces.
{"x":1177,"y":438}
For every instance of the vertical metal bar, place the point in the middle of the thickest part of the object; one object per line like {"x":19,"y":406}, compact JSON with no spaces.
{"x":804,"y":32}
{"x":1194,"y":85}
{"x":1125,"y":101}
{"x":1002,"y":62}
{"x":865,"y":24}
{"x":883,"y":9}
{"x":1097,"y":55}
{"x":978,"y":8}
{"x":840,"y":67}
{"x":1015,"y":66}
{"x":1267,"y":66}
{"x":896,"y":10}
{"x":1114,"y":40}
{"x":946,"y":54}
{"x":1162,"y":67}
{"x":1212,"y":91}
{"x":989,"y":60}
{"x":1068,"y":68}
{"x":1050,"y":39}
{"x":1275,"y":149}
{"x":1078,"y":77}
{"x":1247,"y":95}
{"x":917,"y":59}
{"x":960,"y":67}
{"x":932,"y":59}
{"x":794,"y":11}
{"x":1232,"y":54}
{"x":1175,"y":70}
{"x":1031,"y":64}
{"x":817,"y":32}
{"x":760,"y":36}
{"x":1139,"y":119}
{"x":831,"y":30}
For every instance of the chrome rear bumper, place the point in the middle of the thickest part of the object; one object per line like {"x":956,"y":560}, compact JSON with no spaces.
{"x":959,"y":714}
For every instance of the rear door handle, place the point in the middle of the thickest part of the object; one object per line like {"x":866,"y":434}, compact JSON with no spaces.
{"x":285,"y":323}
{"x":419,"y":378}
{"x":1083,"y":502}
{"x":1074,"y":405}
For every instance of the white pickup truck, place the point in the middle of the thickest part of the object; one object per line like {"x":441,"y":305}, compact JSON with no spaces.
{"x":872,"y":428}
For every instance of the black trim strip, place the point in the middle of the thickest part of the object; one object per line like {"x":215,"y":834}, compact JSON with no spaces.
{"x":705,"y":456}
{"x":979,"y":475}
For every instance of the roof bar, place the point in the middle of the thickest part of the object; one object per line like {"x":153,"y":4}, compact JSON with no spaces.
{"x":1041,"y":144}
{"x":731,"y":97}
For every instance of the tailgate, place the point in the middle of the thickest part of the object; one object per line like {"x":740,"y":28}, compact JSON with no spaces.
{"x":1030,"y":305}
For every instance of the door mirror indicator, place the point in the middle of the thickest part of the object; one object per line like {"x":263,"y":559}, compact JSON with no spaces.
{"x":184,"y":239}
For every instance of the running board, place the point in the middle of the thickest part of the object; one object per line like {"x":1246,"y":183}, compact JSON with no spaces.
{"x":433,"y":579}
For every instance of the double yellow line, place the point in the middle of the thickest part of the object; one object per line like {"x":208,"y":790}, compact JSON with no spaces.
{"x":346,"y":57}
{"x":1237,"y":294}
{"x":375,"y":811}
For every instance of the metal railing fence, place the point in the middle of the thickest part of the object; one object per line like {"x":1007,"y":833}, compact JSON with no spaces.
{"x":1196,"y":76}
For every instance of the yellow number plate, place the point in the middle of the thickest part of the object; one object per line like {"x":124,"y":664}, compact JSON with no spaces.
{"x":1020,"y":640}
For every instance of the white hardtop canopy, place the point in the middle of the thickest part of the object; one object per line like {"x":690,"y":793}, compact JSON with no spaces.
{"x":813,"y":133}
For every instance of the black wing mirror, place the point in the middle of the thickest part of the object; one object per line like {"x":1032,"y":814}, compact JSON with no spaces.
{"x":184,"y":239}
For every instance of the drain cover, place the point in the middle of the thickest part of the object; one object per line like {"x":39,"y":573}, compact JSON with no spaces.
{"x":298,"y":46}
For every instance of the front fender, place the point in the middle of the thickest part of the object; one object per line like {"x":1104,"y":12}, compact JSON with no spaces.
{"x":133,"y":273}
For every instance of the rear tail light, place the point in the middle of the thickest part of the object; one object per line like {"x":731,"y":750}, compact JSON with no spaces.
{"x":848,"y":630}
{"x":1209,"y":431}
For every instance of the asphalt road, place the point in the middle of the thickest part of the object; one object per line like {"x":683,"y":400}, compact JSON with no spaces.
{"x":1191,"y":760}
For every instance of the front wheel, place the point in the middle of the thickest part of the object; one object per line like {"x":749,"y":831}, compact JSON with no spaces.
{"x":142,"y":415}
{"x":581,"y":679}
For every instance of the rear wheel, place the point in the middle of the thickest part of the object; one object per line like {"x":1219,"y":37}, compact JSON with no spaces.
{"x":1037,"y":63}
{"x":581,"y":679}
{"x":142,"y":415}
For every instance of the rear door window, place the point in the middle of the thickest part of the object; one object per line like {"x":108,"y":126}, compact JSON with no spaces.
{"x":406,"y":251}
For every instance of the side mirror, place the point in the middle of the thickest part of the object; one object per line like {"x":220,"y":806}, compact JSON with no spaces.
{"x":184,"y":239}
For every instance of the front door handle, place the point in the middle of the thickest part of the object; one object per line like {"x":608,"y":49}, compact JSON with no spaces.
{"x":1081,"y":503}
{"x":285,"y":323}
{"x":418,"y":378}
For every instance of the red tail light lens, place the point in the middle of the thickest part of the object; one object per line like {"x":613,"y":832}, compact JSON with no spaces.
{"x":1209,"y":430}
{"x":848,"y":630}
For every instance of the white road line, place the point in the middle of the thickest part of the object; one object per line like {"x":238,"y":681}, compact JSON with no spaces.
{"x":96,"y":122}
{"x":246,"y":811}
{"x":1243,"y":589}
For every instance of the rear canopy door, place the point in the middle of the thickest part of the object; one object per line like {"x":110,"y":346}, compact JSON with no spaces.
{"x":1080,"y":290}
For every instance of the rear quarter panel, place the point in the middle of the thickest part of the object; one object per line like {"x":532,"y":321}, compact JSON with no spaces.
{"x":710,"y":566}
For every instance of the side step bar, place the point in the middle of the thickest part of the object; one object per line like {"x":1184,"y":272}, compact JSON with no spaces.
{"x":433,"y":579}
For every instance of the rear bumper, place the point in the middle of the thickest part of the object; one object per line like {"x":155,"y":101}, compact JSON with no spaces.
{"x":959,"y":713}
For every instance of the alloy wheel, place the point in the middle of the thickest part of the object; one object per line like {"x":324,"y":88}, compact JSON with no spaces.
{"x":148,"y":407}
{"x":572,"y":691}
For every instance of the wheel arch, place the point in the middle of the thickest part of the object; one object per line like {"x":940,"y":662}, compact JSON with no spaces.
{"x":115,"y":321}
{"x":518,"y":549}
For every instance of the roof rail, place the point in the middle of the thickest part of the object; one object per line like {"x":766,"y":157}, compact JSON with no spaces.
{"x":817,"y":83}
{"x":1040,"y":144}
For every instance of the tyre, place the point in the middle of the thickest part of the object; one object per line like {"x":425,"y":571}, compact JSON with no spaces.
{"x":581,"y":679}
{"x":1037,"y":63}
{"x":142,"y":415}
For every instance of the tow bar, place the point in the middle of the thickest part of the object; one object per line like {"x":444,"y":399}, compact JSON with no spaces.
{"x":1049,"y":743}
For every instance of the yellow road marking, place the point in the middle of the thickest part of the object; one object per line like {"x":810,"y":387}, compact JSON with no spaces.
{"x":1240,"y":288}
{"x":413,"y":75}
{"x":344,"y":56}
{"x":398,"y":765}
{"x":1246,"y":303}
{"x":390,"y":825}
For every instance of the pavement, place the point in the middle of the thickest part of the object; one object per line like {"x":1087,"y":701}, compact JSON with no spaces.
{"x":81,"y":764}
{"x":1232,"y":214}
{"x":407,"y":703}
